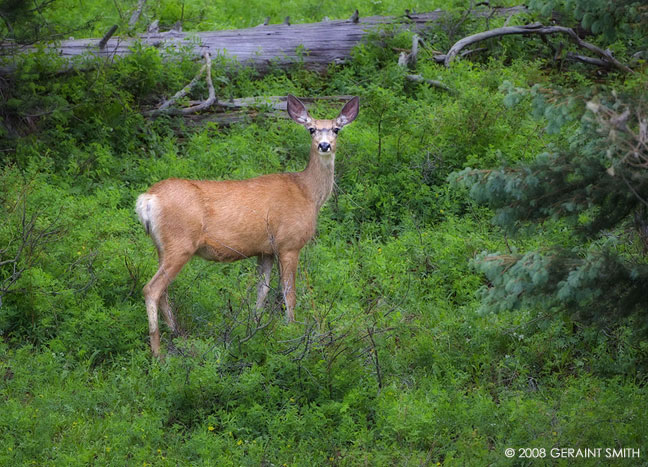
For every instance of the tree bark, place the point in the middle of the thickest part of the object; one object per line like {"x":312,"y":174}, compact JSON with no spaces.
{"x":316,"y":45}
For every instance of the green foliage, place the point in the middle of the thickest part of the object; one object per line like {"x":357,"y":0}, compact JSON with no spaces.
{"x":397,"y":358}
{"x":610,"y":18}
{"x":596,"y":186}
{"x":599,"y":286}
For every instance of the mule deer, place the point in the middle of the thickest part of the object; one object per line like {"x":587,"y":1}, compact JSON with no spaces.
{"x":267,"y":216}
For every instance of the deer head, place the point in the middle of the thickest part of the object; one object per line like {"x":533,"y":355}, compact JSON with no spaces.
{"x":323,"y":132}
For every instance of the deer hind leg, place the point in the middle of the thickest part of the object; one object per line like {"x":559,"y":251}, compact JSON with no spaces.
{"x":288,"y":267}
{"x":167,"y":312}
{"x":154,"y":291}
{"x":264,"y":268}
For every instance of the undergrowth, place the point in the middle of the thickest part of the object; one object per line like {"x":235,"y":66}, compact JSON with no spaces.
{"x":391,"y":361}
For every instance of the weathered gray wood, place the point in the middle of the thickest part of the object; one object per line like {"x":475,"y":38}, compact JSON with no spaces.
{"x":431,"y":82}
{"x":228,"y":112}
{"x":136,"y":14}
{"x":535,"y":28}
{"x":317,"y":45}
{"x":195,"y":107}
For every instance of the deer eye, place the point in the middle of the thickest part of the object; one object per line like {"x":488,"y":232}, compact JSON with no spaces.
{"x":312,"y":130}
{"x":336,"y":130}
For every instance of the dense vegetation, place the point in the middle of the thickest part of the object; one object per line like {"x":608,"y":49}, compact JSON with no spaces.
{"x":477,"y":281}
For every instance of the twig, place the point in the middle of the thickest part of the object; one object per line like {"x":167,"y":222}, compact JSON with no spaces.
{"x":374,"y":357}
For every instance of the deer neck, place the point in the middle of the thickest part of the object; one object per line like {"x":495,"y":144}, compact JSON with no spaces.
{"x":318,"y":176}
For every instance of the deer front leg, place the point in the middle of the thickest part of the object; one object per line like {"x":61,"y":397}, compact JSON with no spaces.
{"x":288,"y":267}
{"x":264,"y":267}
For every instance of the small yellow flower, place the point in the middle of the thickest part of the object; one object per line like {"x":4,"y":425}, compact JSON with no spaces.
{"x":239,"y":442}
{"x":292,"y":400}
{"x":210,"y":427}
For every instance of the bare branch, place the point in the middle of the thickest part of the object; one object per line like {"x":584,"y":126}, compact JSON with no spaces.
{"x":166,"y":106}
{"x":234,"y":111}
{"x":431,"y":82}
{"x":588,"y":60}
{"x":535,"y":28}
{"x":106,"y":38}
{"x":31,"y":240}
{"x":440,"y":58}
{"x":374,"y":357}
{"x":184,"y":91}
{"x":406,"y":59}
{"x":212,"y":93}
{"x":136,"y":14}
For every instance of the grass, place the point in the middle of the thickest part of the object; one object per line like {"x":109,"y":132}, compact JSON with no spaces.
{"x":391,"y":361}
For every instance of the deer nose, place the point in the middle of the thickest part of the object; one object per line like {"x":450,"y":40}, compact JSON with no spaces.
{"x":324,"y":146}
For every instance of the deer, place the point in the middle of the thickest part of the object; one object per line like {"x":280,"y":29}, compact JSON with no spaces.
{"x":269,"y":216}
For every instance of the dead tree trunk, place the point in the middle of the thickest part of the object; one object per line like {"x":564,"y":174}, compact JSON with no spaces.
{"x":316,"y":45}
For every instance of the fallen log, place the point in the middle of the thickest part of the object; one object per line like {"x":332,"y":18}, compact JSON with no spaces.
{"x":316,"y":45}
{"x":228,"y":112}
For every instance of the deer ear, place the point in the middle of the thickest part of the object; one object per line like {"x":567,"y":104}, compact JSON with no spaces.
{"x":349,"y":112}
{"x":297,"y":110}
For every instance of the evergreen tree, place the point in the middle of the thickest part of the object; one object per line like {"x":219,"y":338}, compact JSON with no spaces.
{"x":597,"y":186}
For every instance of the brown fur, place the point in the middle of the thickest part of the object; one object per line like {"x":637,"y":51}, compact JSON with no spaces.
{"x":268,"y":216}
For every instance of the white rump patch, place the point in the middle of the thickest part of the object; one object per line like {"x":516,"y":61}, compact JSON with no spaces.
{"x":148,"y":209}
